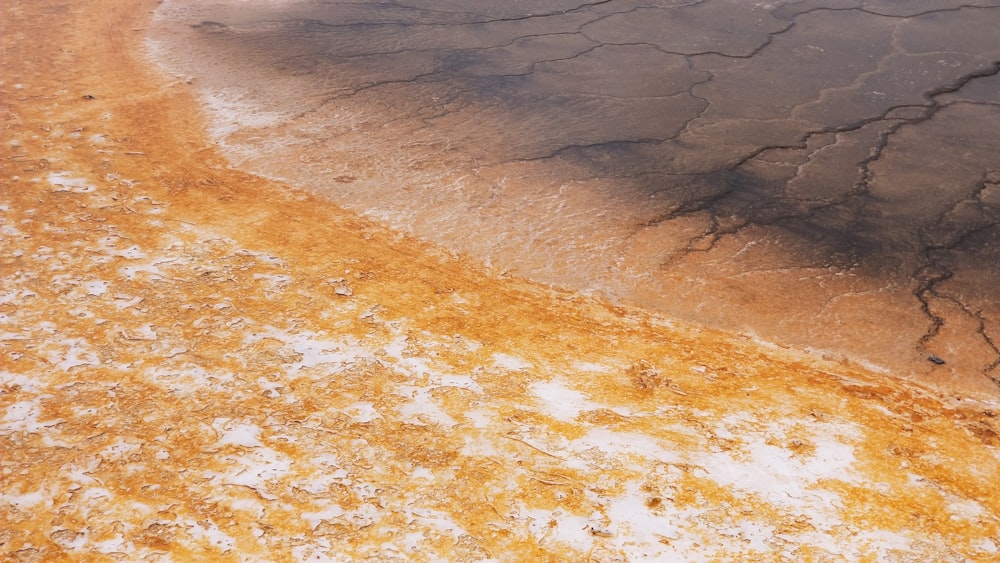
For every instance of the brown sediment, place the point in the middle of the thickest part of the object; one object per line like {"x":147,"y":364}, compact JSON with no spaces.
{"x":199,"y":364}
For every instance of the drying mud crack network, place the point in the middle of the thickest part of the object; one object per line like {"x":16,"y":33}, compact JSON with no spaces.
{"x":785,"y":168}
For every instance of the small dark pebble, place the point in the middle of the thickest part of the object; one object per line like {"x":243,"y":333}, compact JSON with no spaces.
{"x":936,"y":360}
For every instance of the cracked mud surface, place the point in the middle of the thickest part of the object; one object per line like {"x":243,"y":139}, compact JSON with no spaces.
{"x":825,"y":174}
{"x":198,"y":364}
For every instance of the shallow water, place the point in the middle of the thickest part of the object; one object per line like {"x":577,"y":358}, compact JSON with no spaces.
{"x":823,"y":174}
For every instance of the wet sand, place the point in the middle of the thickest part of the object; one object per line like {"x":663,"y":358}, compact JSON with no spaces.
{"x":823,"y":174}
{"x":200,"y":364}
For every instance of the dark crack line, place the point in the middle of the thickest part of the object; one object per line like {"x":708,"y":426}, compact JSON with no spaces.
{"x":927,"y":289}
{"x":990,"y":343}
{"x":929,"y":277}
{"x":929,"y":110}
{"x":977,"y":316}
{"x":874,"y":12}
{"x":579,"y":8}
{"x":799,"y":145}
{"x":706,"y":103}
{"x":926,"y":12}
{"x":771,"y":35}
{"x":580,"y":28}
{"x":753,"y":52}
{"x":988,"y":371}
{"x":556,"y":153}
{"x":860,"y":189}
{"x":936,"y":274}
{"x":482,"y":21}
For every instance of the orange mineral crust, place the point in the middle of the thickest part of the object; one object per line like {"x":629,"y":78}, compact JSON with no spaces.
{"x":200,"y":365}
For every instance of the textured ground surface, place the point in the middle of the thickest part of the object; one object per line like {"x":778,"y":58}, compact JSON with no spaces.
{"x":819,"y":172}
{"x":199,"y":365}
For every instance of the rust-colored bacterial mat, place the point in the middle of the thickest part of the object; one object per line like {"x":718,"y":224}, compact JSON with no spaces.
{"x":198,"y":364}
